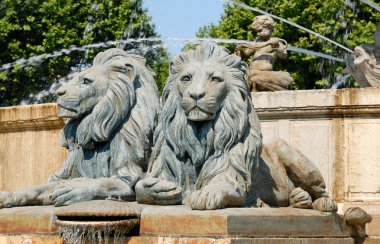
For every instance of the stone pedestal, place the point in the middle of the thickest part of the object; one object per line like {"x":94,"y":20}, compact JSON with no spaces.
{"x":180,"y":224}
{"x":241,"y":222}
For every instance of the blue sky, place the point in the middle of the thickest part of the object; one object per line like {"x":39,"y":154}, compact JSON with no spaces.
{"x":182,"y":18}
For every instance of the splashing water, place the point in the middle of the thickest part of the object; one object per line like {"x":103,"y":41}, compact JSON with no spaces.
{"x":371,"y":4}
{"x":142,"y":49}
{"x":340,"y":81}
{"x":39,"y":58}
{"x":50,"y":92}
{"x":290,"y":23}
{"x":91,"y":234}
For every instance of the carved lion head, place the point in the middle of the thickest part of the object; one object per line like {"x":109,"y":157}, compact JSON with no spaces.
{"x":207,"y":117}
{"x":115,"y":103}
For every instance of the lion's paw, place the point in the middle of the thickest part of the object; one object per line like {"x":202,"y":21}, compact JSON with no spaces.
{"x":300,"y":199}
{"x":6,"y":199}
{"x":325,"y":204}
{"x":207,"y":199}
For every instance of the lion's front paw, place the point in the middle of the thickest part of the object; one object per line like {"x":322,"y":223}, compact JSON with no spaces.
{"x":325,"y":204}
{"x":6,"y":199}
{"x":157,"y":191}
{"x":23,"y":198}
{"x":207,"y":199}
{"x":300,"y":199}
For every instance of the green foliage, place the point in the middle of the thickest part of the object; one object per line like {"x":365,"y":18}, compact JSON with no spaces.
{"x":34,"y":27}
{"x":349,"y":22}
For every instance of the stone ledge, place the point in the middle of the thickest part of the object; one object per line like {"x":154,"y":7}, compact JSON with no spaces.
{"x":35,"y":239}
{"x":28,"y":220}
{"x":331,"y":103}
{"x":19,"y":118}
{"x":54,"y":239}
{"x":241,"y":222}
{"x":182,"y":240}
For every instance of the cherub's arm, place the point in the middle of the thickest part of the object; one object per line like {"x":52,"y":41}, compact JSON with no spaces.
{"x":244,"y":51}
{"x":280,"y":46}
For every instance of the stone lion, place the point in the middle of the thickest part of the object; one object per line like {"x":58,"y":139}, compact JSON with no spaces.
{"x":285,"y":177}
{"x":208,"y":144}
{"x":112,"y":109}
{"x":208,"y":139}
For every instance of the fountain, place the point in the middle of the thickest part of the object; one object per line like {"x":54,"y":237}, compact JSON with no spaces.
{"x":97,"y":221}
{"x":206,"y":155}
{"x":364,"y":65}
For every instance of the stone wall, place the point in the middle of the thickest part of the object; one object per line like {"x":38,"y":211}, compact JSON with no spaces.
{"x":338,"y":129}
{"x":29,"y":145}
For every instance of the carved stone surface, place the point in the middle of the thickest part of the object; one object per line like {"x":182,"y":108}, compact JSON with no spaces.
{"x":364,"y":65}
{"x":241,"y":222}
{"x":265,"y":51}
{"x":208,"y":139}
{"x":208,"y":144}
{"x":112,"y":109}
{"x":288,"y":178}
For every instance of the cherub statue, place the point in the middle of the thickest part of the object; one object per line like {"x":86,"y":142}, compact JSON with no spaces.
{"x":265,"y":51}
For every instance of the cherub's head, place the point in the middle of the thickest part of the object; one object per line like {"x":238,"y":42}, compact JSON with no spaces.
{"x":263,"y":25}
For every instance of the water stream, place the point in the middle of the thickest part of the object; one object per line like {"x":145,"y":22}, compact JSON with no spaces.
{"x":290,"y":23}
{"x":35,"y":60}
{"x":91,"y":234}
{"x":371,"y":4}
{"x":340,"y":81}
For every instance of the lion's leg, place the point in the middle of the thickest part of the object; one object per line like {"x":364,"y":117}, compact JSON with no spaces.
{"x":37,"y":195}
{"x":218,"y":195}
{"x":270,"y":184}
{"x":304,"y":174}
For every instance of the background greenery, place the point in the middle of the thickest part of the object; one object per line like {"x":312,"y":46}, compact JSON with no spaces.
{"x":349,"y":22}
{"x":33,"y":27}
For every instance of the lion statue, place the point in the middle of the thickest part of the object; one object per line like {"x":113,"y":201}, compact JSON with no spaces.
{"x":285,"y":177}
{"x":208,"y":147}
{"x":112,"y":110}
{"x":208,"y":137}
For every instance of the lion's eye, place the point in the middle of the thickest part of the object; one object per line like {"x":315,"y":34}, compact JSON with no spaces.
{"x":87,"y":81}
{"x":186,"y":78}
{"x":216,"y":79}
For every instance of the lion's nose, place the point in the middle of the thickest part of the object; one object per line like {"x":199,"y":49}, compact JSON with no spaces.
{"x":60,"y":92}
{"x":197,"y":95}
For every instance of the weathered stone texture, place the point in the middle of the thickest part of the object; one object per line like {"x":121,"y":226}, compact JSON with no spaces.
{"x":242,"y":222}
{"x":338,"y":130}
{"x":29,"y":145}
{"x":28,"y":220}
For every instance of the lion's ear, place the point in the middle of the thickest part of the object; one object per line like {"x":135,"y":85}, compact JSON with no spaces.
{"x":130,"y":71}
{"x":171,"y":64}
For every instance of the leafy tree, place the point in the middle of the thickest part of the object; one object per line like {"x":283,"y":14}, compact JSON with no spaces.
{"x":34,"y":27}
{"x":349,"y":22}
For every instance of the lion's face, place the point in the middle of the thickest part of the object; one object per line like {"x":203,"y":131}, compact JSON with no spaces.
{"x":82,"y":93}
{"x":202,"y":87}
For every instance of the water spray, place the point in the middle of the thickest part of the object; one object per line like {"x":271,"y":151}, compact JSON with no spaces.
{"x":290,"y":23}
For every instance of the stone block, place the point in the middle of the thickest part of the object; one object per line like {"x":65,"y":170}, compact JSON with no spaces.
{"x":28,"y":220}
{"x":241,"y":222}
{"x":35,"y":239}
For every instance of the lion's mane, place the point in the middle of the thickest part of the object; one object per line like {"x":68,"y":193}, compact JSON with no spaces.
{"x":226,"y":148}
{"x":120,"y":127}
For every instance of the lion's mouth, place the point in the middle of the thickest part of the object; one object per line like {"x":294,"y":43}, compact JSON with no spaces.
{"x":199,"y":114}
{"x":66,"y":112}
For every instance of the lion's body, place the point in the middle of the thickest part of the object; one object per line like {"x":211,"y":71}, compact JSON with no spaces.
{"x":199,"y":150}
{"x":115,"y":138}
{"x":112,"y":109}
